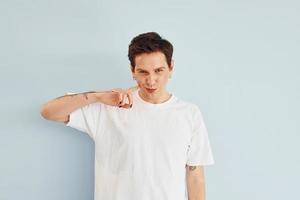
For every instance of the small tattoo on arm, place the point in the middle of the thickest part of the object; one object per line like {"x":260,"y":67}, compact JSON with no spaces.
{"x":192,"y":168}
{"x":85,"y":94}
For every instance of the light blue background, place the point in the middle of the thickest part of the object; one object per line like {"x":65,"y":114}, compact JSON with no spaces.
{"x":237,"y":60}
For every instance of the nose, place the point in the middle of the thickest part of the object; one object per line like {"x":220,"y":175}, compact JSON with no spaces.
{"x":151,"y":80}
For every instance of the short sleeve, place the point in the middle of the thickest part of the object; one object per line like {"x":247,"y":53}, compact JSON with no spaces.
{"x":87,"y":119}
{"x":199,"y":150}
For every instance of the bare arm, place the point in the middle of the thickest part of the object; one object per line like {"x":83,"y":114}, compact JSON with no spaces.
{"x":195,"y":182}
{"x":59,"y":108}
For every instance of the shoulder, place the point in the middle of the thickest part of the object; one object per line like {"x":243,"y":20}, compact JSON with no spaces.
{"x":190,"y":110}
{"x":187,"y":105}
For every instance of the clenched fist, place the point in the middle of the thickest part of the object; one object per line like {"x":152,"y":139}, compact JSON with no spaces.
{"x":118,"y":97}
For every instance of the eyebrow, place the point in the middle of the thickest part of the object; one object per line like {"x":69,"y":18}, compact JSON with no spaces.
{"x":138,"y":69}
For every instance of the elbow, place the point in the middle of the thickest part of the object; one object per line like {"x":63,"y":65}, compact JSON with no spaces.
{"x":44,"y":112}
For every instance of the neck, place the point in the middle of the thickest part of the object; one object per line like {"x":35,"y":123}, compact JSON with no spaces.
{"x":155,"y":98}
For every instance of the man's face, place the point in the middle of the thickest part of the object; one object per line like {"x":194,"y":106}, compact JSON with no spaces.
{"x":152,"y":72}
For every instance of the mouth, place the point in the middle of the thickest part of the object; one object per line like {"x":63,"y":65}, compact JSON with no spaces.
{"x":150,"y":90}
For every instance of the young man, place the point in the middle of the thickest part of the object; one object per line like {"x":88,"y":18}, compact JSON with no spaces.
{"x":149,"y":144}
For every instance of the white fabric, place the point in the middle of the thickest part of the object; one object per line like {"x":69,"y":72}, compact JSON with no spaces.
{"x":141,"y":152}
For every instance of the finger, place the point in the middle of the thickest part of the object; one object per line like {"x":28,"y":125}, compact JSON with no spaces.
{"x":119,"y":98}
{"x":127,"y":100}
{"x":126,"y":106}
{"x":124,"y":98}
{"x":129,"y":95}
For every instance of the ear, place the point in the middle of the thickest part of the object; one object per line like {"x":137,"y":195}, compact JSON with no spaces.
{"x":132,"y":72}
{"x":172,"y":65}
{"x":130,"y":67}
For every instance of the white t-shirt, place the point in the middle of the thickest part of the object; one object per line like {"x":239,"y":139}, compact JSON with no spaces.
{"x":141,"y":153}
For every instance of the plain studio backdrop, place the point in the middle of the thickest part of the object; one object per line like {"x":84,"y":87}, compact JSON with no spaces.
{"x":237,"y":60}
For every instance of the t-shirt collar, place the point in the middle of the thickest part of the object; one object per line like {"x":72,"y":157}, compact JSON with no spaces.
{"x":153,"y":105}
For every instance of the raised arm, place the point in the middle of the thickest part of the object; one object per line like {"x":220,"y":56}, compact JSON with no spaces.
{"x":60,"y":108}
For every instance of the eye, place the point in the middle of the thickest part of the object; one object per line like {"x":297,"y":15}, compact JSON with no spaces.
{"x":160,"y":70}
{"x":143,"y":73}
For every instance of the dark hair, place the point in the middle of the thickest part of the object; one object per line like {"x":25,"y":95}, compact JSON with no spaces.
{"x":149,"y":42}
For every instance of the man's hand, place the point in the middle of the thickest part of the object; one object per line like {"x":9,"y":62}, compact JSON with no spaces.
{"x":118,"y":97}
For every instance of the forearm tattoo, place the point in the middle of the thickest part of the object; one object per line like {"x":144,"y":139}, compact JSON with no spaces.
{"x":85,"y":94}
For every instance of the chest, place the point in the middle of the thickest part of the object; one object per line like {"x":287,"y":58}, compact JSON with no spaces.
{"x":155,"y":129}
